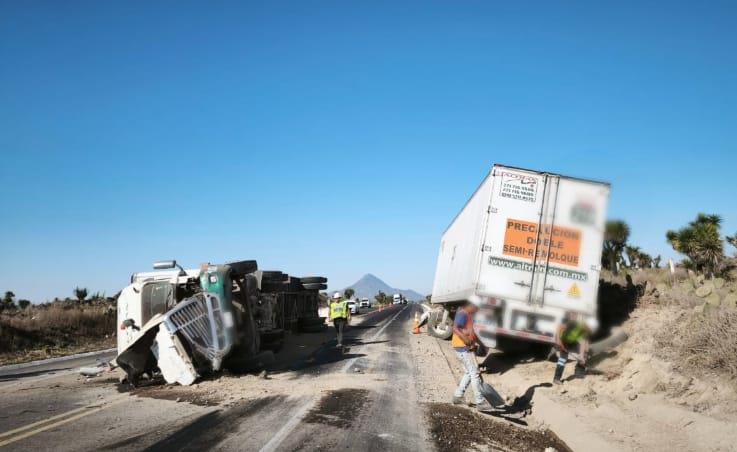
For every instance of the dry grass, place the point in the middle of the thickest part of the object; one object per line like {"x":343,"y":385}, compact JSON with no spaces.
{"x":55,"y":329}
{"x":697,"y":342}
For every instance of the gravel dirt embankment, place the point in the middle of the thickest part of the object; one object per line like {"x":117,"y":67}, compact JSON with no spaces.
{"x":669,"y":387}
{"x":457,"y":428}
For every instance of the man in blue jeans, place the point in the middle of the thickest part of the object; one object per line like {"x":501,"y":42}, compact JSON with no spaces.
{"x":464,"y":344}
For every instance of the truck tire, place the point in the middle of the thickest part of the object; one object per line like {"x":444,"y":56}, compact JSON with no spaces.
{"x":314,"y":279}
{"x":273,"y":286}
{"x":437,"y":328}
{"x":241,"y":268}
{"x":314,"y":286}
{"x":268,"y":275}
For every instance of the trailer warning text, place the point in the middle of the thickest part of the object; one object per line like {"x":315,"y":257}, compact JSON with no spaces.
{"x":557,"y":244}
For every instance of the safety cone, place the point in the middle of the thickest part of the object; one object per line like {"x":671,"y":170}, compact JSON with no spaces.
{"x":416,"y":325}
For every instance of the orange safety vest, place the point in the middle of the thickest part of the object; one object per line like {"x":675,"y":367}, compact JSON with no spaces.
{"x":456,"y":341}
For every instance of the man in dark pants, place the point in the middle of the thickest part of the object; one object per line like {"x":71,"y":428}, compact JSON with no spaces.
{"x":340,"y":315}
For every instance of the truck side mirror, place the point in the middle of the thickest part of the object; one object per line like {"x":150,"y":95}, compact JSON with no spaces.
{"x":165,"y":265}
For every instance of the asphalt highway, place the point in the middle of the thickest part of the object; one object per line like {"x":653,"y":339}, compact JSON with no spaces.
{"x":363,"y":399}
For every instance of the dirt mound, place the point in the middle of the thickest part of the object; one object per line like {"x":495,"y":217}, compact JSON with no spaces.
{"x":455,"y":428}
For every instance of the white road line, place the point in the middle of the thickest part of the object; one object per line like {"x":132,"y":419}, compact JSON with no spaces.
{"x":287,"y":428}
{"x":352,"y":361}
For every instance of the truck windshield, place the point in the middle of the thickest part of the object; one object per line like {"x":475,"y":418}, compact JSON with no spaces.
{"x":155,"y":298}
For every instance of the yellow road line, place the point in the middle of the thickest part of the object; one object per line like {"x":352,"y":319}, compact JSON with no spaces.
{"x":44,"y":421}
{"x":46,"y":424}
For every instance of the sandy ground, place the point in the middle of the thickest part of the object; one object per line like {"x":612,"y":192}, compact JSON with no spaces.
{"x":630,"y":401}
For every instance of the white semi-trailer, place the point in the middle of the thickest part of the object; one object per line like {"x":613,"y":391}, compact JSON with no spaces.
{"x":529,"y":244}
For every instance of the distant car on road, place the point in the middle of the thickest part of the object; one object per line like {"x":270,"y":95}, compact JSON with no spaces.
{"x":353,"y":307}
{"x":365,"y":303}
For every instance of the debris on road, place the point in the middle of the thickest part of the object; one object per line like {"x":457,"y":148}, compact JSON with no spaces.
{"x":95,"y":371}
{"x":455,"y":428}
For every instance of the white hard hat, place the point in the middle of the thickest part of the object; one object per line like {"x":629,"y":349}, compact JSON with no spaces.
{"x":336,"y":295}
{"x":475,"y":300}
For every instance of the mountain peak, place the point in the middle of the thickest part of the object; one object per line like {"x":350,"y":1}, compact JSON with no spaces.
{"x":369,"y":285}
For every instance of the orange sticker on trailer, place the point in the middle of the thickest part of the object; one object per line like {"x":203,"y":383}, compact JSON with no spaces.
{"x":557,"y":244}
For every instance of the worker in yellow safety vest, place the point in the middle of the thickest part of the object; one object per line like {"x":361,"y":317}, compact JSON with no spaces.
{"x":573,"y":337}
{"x":339,"y":314}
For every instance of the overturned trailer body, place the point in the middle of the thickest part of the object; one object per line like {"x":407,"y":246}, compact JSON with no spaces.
{"x":185,"y":323}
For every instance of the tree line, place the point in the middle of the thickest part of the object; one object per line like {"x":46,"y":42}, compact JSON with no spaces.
{"x":700,"y":241}
{"x":9,"y":302}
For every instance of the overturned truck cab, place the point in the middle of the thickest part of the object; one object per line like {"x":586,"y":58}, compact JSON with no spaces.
{"x":186,"y":323}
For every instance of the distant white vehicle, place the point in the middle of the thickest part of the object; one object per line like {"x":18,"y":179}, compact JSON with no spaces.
{"x":397,"y":298}
{"x":353,"y":306}
{"x":365,"y":303}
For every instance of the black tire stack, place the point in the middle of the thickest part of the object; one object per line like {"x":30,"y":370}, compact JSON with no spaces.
{"x":309,"y":321}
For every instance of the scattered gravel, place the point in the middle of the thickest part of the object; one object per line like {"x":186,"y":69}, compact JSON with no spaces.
{"x":455,"y":428}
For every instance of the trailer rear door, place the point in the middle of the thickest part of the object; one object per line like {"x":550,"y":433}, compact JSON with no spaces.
{"x":543,"y":239}
{"x":573,"y":238}
{"x":515,"y":215}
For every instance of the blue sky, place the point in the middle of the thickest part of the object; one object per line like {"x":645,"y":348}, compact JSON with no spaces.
{"x":340,"y":138}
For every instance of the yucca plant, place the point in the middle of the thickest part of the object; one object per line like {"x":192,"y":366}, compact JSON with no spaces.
{"x":616,"y":234}
{"x":701,"y":242}
{"x":80,"y":293}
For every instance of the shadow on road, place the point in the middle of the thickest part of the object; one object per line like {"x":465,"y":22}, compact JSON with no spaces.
{"x":521,"y":406}
{"x":205,"y":432}
{"x":17,"y":376}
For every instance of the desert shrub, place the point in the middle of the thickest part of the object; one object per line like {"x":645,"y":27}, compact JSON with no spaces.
{"x":696,"y":341}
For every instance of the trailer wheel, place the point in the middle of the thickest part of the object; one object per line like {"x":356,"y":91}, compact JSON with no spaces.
{"x":437,"y":327}
{"x":274,"y":286}
{"x":314,"y":286}
{"x":271,"y":275}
